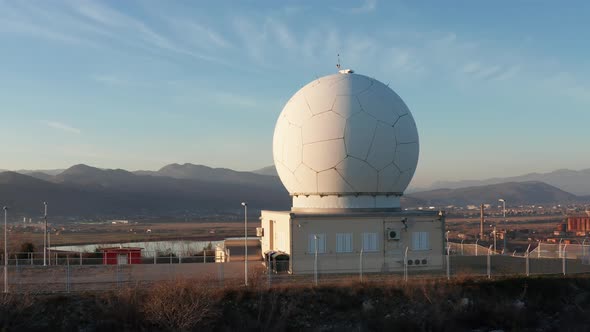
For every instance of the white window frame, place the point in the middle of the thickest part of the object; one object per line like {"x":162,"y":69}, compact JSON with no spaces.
{"x":321,"y":243}
{"x":344,"y":242}
{"x":420,"y":241}
{"x":370,"y":242}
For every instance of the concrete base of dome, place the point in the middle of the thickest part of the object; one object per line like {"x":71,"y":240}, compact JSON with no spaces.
{"x":346,"y":202}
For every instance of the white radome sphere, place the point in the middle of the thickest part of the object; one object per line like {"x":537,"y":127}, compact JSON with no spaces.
{"x":346,"y":135}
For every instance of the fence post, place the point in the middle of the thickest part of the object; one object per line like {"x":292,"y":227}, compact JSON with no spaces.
{"x":490,"y":261}
{"x":528,"y":267}
{"x":563,"y":257}
{"x":31,"y":255}
{"x":476,"y":246}
{"x":68,"y":274}
{"x":462,"y":254}
{"x":268,"y":267}
{"x":361,"y":265}
{"x":180,"y":258}
{"x":170,"y":256}
{"x":80,"y":258}
{"x":155,"y":257}
{"x":448,"y":261}
{"x":539,"y":251}
{"x":315,"y":261}
{"x":406,"y":265}
{"x":220,"y":274}
{"x":204,"y":256}
{"x":117,"y":274}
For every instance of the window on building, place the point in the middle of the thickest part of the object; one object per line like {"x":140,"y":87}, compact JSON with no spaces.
{"x":343,"y":242}
{"x":369,"y":242}
{"x":420,"y":241}
{"x":321,"y":241}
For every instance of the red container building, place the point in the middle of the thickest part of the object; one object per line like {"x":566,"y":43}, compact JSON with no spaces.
{"x":121,"y":256}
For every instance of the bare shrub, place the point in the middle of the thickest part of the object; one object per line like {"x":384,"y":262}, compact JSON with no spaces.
{"x":180,"y":304}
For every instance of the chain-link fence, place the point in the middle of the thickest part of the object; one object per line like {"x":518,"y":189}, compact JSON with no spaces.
{"x":120,"y":258}
{"x":72,"y":272}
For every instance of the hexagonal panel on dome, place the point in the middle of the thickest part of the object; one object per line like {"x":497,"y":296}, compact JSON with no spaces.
{"x":330,"y":181}
{"x":297,"y":110}
{"x":399,"y":106}
{"x":323,"y":127}
{"x":406,"y":156}
{"x":287,"y":177}
{"x":388,"y":177}
{"x":352,"y":85}
{"x":358,"y":135}
{"x":324,"y":155}
{"x":383,"y":147}
{"x":292,"y":148}
{"x":405,"y":130}
{"x":403,"y":181}
{"x":320,"y":99}
{"x":306,"y":180}
{"x":372,"y":102}
{"x":346,"y":106}
{"x":279,"y":137}
{"x":358,"y":174}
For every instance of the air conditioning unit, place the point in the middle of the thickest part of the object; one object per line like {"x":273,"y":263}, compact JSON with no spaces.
{"x":394,"y":234}
{"x":259,"y":231}
{"x":422,"y":261}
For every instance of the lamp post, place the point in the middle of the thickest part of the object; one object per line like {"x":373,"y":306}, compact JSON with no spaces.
{"x":503,"y":206}
{"x":5,"y":251}
{"x":504,"y":215}
{"x":45,"y":236}
{"x":245,"y":205}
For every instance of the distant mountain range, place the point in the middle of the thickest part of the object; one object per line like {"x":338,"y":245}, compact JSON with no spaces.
{"x":197,"y":190}
{"x":515,"y":193}
{"x":175,"y":190}
{"x":575,"y":182}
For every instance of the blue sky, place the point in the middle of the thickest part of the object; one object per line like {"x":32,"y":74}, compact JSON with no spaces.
{"x":497,"y":88}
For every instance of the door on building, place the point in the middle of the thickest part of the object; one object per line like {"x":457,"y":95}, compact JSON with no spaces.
{"x":122,"y":259}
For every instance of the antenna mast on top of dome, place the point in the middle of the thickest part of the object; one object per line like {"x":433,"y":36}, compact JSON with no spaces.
{"x":338,"y":64}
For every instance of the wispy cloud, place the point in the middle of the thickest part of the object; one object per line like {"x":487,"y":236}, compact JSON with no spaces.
{"x":200,"y":35}
{"x":95,"y":24}
{"x":366,"y":7}
{"x":63,"y":127}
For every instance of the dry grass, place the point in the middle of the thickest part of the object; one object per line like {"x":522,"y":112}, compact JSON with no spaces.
{"x":180,"y":305}
{"x":520,"y":304}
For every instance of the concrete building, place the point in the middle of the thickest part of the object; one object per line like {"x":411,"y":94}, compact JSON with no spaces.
{"x":346,"y":147}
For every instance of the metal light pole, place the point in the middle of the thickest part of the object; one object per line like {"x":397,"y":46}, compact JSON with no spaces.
{"x":5,"y":251}
{"x":505,"y":228}
{"x":245,"y":205}
{"x":45,"y":236}
{"x":503,"y":206}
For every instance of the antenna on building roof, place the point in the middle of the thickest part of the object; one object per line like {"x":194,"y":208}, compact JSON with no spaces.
{"x":338,"y":64}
